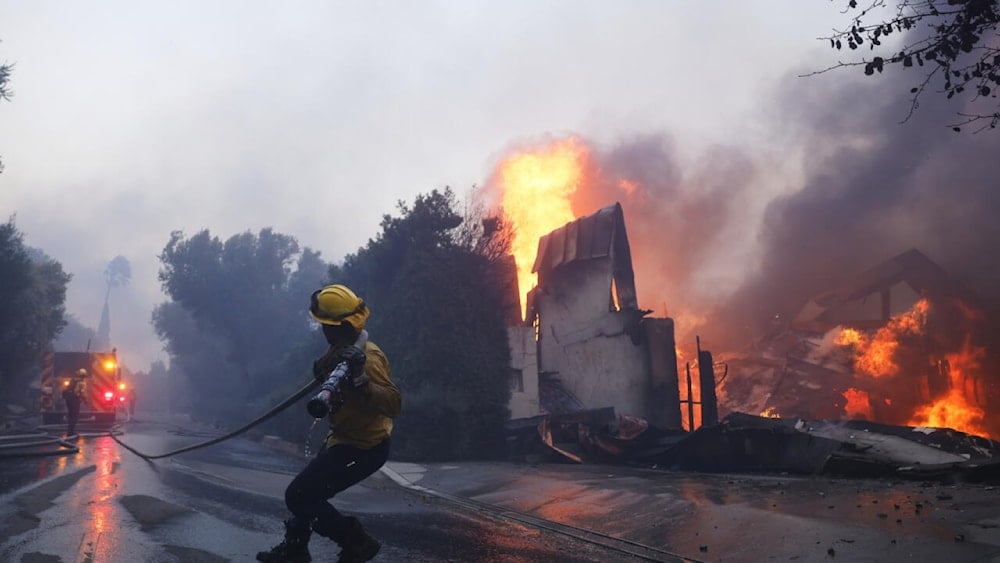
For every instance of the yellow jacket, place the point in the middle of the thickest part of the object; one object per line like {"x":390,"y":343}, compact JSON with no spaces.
{"x":77,"y":389}
{"x":365,"y":418}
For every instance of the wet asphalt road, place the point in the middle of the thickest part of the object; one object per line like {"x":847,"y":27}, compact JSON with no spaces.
{"x":224,"y":503}
{"x":741,"y":518}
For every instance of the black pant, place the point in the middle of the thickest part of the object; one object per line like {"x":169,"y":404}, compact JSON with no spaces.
{"x":333,"y":470}
{"x":72,"y":415}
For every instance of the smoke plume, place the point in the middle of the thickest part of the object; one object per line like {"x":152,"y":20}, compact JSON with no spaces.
{"x":724,"y":252}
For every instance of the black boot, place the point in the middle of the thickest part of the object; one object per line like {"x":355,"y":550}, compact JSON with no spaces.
{"x":294,"y":548}
{"x":357,"y":545}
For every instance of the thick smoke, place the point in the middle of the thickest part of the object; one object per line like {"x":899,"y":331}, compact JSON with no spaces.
{"x":724,"y":252}
{"x":874,"y":187}
{"x":679,"y":217}
{"x":870,"y":186}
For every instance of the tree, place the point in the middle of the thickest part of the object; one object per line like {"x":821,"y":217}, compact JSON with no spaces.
{"x":5,"y":92}
{"x":32,"y":308}
{"x":152,"y":388}
{"x":117,"y":273}
{"x":438,"y":313}
{"x":74,"y":337}
{"x":238,"y":308}
{"x":953,"y":42}
{"x":201,"y":377}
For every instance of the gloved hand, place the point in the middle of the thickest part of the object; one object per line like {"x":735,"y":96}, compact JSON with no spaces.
{"x":355,"y":358}
{"x":326,"y":363}
{"x":323,"y":366}
{"x":361,"y":381}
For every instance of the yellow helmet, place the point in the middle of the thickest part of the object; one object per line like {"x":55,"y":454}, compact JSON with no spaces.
{"x":81,"y":372}
{"x":337,"y":304}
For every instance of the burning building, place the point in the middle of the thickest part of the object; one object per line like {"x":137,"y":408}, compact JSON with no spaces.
{"x":899,"y":344}
{"x":894,"y":348}
{"x":585,"y":343}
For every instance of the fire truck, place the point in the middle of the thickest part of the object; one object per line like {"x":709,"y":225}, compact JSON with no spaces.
{"x":105,"y":389}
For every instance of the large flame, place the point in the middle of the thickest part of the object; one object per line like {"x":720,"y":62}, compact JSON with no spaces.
{"x":857,"y":404}
{"x":954,"y":410}
{"x":876,"y":355}
{"x":537,"y":187}
{"x":876,"y":360}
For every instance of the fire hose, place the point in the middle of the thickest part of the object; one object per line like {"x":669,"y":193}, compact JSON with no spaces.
{"x":330,"y":396}
{"x":21,"y":441}
{"x":319,"y":406}
{"x":269,"y":414}
{"x":26,"y":444}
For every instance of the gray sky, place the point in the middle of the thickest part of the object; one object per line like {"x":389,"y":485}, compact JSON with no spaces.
{"x":134,"y":119}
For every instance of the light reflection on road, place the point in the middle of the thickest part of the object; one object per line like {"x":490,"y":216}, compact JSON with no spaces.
{"x":96,"y":495}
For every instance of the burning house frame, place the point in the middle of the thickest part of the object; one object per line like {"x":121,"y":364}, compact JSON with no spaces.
{"x":585,"y":343}
{"x":594,"y":377}
{"x":892,"y":345}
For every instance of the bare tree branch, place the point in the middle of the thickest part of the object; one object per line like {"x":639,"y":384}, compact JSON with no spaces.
{"x":956,"y":41}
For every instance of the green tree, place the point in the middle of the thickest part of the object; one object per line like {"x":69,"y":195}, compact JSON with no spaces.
{"x":237,"y":310}
{"x":32,"y":308}
{"x":152,"y":388}
{"x":74,"y":337}
{"x":437,"y":302}
{"x":202,"y":379}
{"x":954,"y":43}
{"x":5,"y":93}
{"x":117,"y":273}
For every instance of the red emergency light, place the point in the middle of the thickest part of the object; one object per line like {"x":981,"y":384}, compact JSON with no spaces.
{"x":108,"y":395}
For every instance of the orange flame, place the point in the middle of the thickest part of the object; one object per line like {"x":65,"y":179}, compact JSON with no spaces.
{"x":770,"y":412}
{"x":536,"y":189}
{"x":876,"y":355}
{"x":849,"y":337}
{"x":953,"y":410}
{"x":858,"y":404}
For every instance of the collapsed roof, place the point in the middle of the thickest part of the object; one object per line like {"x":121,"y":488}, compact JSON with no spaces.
{"x":912,"y":269}
{"x":598,"y":235}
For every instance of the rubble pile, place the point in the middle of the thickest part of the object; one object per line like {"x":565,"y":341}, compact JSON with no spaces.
{"x":743,"y":443}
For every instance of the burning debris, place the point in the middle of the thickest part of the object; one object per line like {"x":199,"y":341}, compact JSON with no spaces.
{"x":900,"y":345}
{"x":907,"y":359}
{"x":747,"y":443}
{"x":744,"y":442}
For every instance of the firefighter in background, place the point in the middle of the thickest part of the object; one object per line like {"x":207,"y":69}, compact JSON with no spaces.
{"x":73,"y":395}
{"x":130,"y":399}
{"x":357,"y":444}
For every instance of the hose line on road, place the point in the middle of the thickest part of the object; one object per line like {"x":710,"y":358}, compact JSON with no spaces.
{"x":26,"y":444}
{"x":19,"y":442}
{"x":269,"y":414}
{"x":595,"y":537}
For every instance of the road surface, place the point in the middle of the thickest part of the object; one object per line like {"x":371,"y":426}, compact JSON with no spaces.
{"x":224,"y":503}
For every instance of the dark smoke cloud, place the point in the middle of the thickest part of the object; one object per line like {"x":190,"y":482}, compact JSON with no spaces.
{"x":677,"y":214}
{"x":680,"y":215}
{"x":872,"y":187}
{"x":875,"y":187}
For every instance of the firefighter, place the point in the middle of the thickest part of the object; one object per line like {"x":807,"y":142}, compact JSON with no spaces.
{"x":357,"y":443}
{"x":130,"y":400}
{"x":73,"y":395}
